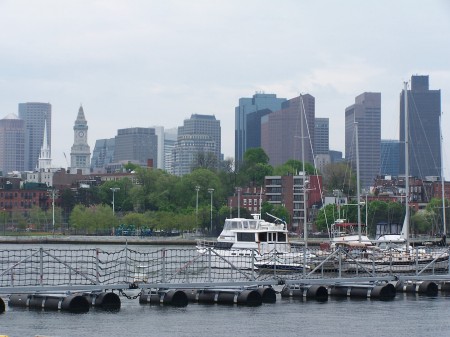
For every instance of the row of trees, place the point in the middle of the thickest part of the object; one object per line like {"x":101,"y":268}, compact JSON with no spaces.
{"x":163,"y":201}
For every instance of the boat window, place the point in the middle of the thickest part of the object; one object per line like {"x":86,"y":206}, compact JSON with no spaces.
{"x":235,"y":225}
{"x":227,"y":225}
{"x":245,"y":224}
{"x":281,"y":237}
{"x":248,"y":237}
{"x":253,"y":224}
{"x":263,"y":237}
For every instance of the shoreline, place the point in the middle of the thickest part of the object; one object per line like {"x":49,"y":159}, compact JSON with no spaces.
{"x":106,"y":240}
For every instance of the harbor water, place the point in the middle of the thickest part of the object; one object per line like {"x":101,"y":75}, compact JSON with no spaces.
{"x":406,"y":315}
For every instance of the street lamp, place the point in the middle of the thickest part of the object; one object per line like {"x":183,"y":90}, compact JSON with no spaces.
{"x":4,"y":223}
{"x":114,"y":189}
{"x":210,"y":191}
{"x":197,"y":188}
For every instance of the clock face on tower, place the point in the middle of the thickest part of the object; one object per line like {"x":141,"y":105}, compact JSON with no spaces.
{"x":80,"y":133}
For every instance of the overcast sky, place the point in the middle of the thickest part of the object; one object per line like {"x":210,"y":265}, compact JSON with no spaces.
{"x":140,"y":63}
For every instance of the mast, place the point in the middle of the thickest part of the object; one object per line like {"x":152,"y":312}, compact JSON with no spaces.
{"x":358,"y":187}
{"x":305,"y":224}
{"x":444,"y":221}
{"x":405,"y":97}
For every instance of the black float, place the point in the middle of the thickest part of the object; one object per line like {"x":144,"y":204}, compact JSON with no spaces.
{"x":176,"y":298}
{"x":314,"y":291}
{"x":74,"y":303}
{"x":428,"y":288}
{"x":2,"y":306}
{"x":385,"y":291}
{"x":103,"y":300}
{"x":248,"y":297}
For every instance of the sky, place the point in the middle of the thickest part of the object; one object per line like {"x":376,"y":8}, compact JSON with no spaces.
{"x":142,"y":63}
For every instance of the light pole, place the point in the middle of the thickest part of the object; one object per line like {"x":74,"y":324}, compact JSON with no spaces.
{"x":4,"y":223}
{"x":211,"y":191}
{"x":197,"y":188}
{"x":53,"y":194}
{"x":238,"y":189}
{"x":114,"y":189}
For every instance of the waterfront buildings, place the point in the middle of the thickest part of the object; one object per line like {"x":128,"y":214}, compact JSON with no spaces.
{"x":199,"y":135}
{"x":281,"y":135}
{"x":247,"y":128}
{"x":367,"y":113}
{"x":424,"y":110}
{"x":12,"y":144}
{"x":80,"y":153}
{"x":137,"y":145}
{"x":36,"y":116}
{"x":321,"y":136}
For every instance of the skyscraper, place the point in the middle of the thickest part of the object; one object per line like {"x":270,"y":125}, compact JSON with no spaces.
{"x":80,"y":153}
{"x":367,"y":113}
{"x":247,"y":131}
{"x":201,"y":134}
{"x":12,"y":144}
{"x":281,"y":132}
{"x":424,"y":110}
{"x":390,"y":157}
{"x":103,"y":154}
{"x":35,"y":115}
{"x":321,"y":136}
{"x":139,"y":145}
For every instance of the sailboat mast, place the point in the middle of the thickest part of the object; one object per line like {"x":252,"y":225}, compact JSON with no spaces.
{"x":444,"y":222}
{"x":406,"y":166}
{"x":305,"y":225}
{"x":358,"y":187}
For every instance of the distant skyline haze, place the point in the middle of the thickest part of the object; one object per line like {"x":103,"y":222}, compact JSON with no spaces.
{"x":146,"y":63}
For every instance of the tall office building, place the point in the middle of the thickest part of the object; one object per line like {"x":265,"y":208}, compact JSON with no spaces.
{"x":103,"y":154}
{"x":367,"y":113}
{"x":80,"y":153}
{"x":321,"y":136}
{"x":390,"y":157}
{"x":199,"y":134}
{"x":170,"y":140}
{"x":36,"y":116}
{"x":424,"y":110}
{"x":248,"y":130}
{"x":281,"y":133}
{"x":138,"y":145}
{"x":12,"y":144}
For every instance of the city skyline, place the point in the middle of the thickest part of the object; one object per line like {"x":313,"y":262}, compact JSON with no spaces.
{"x":152,"y":63}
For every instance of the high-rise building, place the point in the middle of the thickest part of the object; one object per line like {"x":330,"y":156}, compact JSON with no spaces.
{"x":281,"y":132}
{"x":137,"y":145}
{"x":201,"y":134}
{"x":424,"y":110}
{"x":12,"y":144}
{"x":367,"y":113}
{"x":80,"y":153}
{"x":321,"y":136}
{"x":36,"y":116}
{"x":248,"y":130}
{"x":103,"y":154}
{"x":390,"y":157}
{"x":170,"y":140}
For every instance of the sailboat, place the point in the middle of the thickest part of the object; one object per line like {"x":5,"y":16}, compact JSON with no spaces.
{"x":402,"y":257}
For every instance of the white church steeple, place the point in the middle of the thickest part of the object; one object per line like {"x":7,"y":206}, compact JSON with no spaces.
{"x":45,"y":160}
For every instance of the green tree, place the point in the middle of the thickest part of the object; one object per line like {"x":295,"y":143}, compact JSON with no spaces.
{"x":436,"y":214}
{"x":339,"y":176}
{"x":293,"y":167}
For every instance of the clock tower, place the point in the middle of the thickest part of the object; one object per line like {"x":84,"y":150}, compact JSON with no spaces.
{"x":80,"y":154}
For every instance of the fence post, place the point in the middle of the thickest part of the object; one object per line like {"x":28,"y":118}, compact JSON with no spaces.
{"x":209,"y":264}
{"x":340,"y":262}
{"x":253,"y":265}
{"x":164,"y":265}
{"x":97,"y":266}
{"x":41,"y":266}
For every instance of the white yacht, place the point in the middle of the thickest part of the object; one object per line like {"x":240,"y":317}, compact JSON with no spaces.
{"x":252,"y":244}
